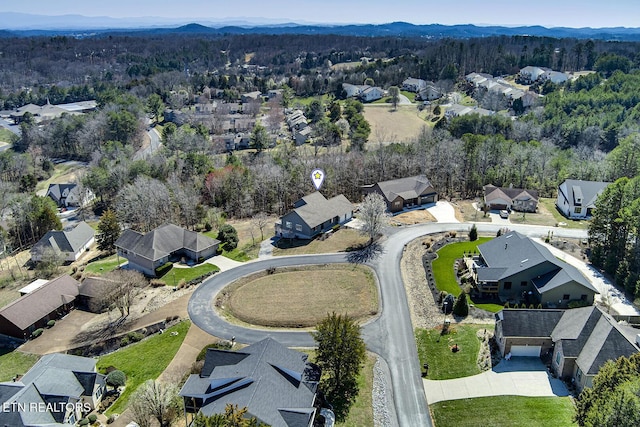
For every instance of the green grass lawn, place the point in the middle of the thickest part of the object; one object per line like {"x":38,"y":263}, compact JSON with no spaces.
{"x":143,"y":361}
{"x":507,"y":411}
{"x":443,"y":269}
{"x":15,"y":362}
{"x":550,"y":205}
{"x":187,"y":274}
{"x":435,"y":349}
{"x":239,"y":254}
{"x":104,"y":265}
{"x":361,"y":412}
{"x":7,"y":136}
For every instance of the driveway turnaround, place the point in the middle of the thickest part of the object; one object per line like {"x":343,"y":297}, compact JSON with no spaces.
{"x":520,"y":376}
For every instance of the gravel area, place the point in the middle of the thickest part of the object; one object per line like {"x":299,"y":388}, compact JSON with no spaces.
{"x":380,"y":398}
{"x":425,"y":313}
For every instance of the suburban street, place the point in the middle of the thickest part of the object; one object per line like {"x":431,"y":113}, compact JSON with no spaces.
{"x":154,"y":144}
{"x":390,"y":335}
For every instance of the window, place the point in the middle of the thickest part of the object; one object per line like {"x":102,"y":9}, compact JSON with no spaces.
{"x":577,"y":210}
{"x":558,"y":358}
{"x":298,"y":227}
{"x":579,"y":375}
{"x":583,"y":297}
{"x":288,"y":224}
{"x":507,"y":285}
{"x":565,"y":296}
{"x":523,"y":283}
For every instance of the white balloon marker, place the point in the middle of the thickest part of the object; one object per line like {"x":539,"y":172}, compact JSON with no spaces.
{"x":317,"y":176}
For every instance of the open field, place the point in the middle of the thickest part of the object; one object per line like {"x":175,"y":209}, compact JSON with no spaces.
{"x":301,"y":296}
{"x":143,"y":361}
{"x":62,"y":173}
{"x":504,"y":411}
{"x":338,"y":241}
{"x":15,"y":362}
{"x":444,"y":364}
{"x":13,"y":276}
{"x":465,"y":212}
{"x":550,"y":206}
{"x":404,"y":124}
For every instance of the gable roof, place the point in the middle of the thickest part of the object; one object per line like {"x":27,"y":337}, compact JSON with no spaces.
{"x":593,"y":337}
{"x":67,"y":240}
{"x":276,"y":384}
{"x":586,"y":191}
{"x":163,"y":241}
{"x":29,"y":308}
{"x":314,"y":209}
{"x":406,"y":188}
{"x":56,"y":191}
{"x":513,"y":252}
{"x":529,"y":322}
{"x":492,"y":192}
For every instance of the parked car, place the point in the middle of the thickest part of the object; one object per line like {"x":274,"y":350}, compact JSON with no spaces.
{"x":504,"y":214}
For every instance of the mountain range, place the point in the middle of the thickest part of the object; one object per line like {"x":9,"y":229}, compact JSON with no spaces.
{"x":25,"y":25}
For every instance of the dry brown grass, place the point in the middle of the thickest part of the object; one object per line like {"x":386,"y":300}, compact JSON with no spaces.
{"x":404,"y":124}
{"x":413,"y":217}
{"x":301,"y":297}
{"x":465,"y":212}
{"x":339,"y":241}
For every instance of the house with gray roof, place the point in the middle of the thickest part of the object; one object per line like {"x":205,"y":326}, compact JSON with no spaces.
{"x":147,"y":252}
{"x":577,"y":199}
{"x":314,"y":214}
{"x":517,"y":199}
{"x":579,"y":340}
{"x":58,"y":390}
{"x":31,"y":311}
{"x":404,"y":192}
{"x":70,"y":244}
{"x":517,"y":269}
{"x":412,"y":84}
{"x":69,"y":195}
{"x":277,"y":385}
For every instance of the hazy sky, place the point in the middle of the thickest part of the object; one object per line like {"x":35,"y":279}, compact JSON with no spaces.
{"x":549,"y":13}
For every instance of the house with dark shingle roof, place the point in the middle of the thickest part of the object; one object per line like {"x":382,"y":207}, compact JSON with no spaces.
{"x":314,"y":214}
{"x":277,"y":385}
{"x":580,"y":340}
{"x":71,"y":244}
{"x":32,"y":311}
{"x":576,"y":199}
{"x":404,"y":192}
{"x":517,"y":199}
{"x":147,"y":252}
{"x":58,"y":390}
{"x":515,"y":268}
{"x":69,"y":195}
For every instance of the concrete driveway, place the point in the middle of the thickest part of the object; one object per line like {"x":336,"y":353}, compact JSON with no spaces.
{"x":520,"y":376}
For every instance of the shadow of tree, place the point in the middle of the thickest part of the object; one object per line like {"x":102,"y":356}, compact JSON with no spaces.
{"x":102,"y":332}
{"x":366,"y":254}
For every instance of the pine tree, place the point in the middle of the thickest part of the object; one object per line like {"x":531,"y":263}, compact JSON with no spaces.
{"x":473,"y":233}
{"x":108,"y":231}
{"x":461,"y":306}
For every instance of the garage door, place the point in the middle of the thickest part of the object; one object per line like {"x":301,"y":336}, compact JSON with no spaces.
{"x":525,"y":350}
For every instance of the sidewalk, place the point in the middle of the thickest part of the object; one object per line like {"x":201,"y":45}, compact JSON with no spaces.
{"x":520,"y":376}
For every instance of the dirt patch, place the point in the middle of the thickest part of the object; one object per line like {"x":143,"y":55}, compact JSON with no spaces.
{"x":387,"y":126}
{"x":413,"y":217}
{"x":339,"y":241}
{"x":466,"y":212}
{"x":301,"y":297}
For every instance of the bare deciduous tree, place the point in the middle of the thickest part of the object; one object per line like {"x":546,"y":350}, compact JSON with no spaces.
{"x":374,"y":216}
{"x":155,"y":400}
{"x":119,"y":290}
{"x":260,"y":220}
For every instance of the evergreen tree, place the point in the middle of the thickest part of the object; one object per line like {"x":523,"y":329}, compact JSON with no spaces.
{"x":461,"y":306}
{"x":228,"y":237}
{"x":473,"y":233}
{"x":108,"y":231}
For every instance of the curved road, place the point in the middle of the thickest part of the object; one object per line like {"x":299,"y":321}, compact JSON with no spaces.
{"x":390,"y":335}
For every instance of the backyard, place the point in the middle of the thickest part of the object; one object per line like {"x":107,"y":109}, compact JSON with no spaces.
{"x":15,"y":362}
{"x":444,"y":274}
{"x":143,"y":361}
{"x":301,"y":296}
{"x":504,"y":411}
{"x":104,"y":265}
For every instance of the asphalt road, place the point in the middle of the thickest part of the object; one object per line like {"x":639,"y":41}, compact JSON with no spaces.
{"x":390,"y":335}
{"x":154,"y":144}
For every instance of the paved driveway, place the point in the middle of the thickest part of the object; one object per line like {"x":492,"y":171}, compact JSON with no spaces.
{"x":520,"y":376}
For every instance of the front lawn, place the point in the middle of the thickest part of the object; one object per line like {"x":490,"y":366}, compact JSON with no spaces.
{"x":143,"y":361}
{"x":444,"y":364}
{"x":104,"y":265}
{"x":176,"y":274}
{"x":361,"y":412}
{"x":339,"y":241}
{"x":550,"y":206}
{"x":507,"y":411}
{"x":15,"y":362}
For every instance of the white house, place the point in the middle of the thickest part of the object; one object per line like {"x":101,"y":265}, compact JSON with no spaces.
{"x":414,"y":85}
{"x":372,"y":93}
{"x":530,"y":74}
{"x":576,"y":199}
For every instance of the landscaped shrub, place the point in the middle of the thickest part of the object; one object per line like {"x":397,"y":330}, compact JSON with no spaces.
{"x":461,"y":307}
{"x":336,"y":227}
{"x":111,"y":419}
{"x":124,"y":342}
{"x":163,"y":269}
{"x":51,"y":323}
{"x":157,"y":283}
{"x":220,"y":345}
{"x":135,"y":336}
{"x":37,"y":333}
{"x":506,"y":305}
{"x":578,"y":303}
{"x":83,"y":422}
{"x":116,"y":379}
{"x":473,"y":233}
{"x":92,"y":418}
{"x":228,"y":237}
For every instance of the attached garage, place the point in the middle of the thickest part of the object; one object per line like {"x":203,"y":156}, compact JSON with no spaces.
{"x":526,"y":350}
